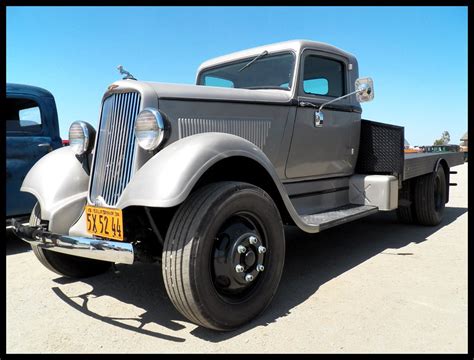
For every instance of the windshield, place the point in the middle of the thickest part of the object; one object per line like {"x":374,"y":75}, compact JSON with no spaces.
{"x":266,"y":72}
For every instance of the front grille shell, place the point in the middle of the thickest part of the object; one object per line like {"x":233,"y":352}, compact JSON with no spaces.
{"x":115,"y":152}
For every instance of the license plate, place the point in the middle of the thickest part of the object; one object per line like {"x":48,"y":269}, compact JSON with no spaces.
{"x":104,"y":222}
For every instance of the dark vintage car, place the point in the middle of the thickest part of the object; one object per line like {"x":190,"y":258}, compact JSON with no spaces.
{"x":32,"y":131}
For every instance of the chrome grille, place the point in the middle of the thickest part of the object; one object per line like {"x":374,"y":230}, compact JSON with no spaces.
{"x":114,"y":153}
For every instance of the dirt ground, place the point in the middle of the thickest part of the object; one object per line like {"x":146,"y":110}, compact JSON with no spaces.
{"x":370,"y":286}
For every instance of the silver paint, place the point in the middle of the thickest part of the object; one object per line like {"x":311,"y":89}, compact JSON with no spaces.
{"x":254,"y":130}
{"x":59,"y":183}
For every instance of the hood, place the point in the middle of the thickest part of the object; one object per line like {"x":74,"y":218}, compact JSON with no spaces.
{"x":201,"y":92}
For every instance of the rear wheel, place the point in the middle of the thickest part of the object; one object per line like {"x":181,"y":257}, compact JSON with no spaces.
{"x":223,"y":255}
{"x":430,"y":197}
{"x":63,"y":264}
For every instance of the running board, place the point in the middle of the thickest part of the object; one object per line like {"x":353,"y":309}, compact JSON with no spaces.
{"x":338,"y":216}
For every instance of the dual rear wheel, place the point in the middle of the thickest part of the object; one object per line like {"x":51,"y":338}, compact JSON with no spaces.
{"x":427,"y":196}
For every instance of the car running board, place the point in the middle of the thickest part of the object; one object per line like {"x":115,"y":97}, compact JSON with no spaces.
{"x":338,"y":216}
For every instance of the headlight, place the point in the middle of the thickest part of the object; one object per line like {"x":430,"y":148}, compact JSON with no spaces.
{"x":81,"y":137}
{"x":149,"y":128}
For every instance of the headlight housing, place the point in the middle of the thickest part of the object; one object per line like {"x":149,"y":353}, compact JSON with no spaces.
{"x":81,"y":137}
{"x":150,"y":128}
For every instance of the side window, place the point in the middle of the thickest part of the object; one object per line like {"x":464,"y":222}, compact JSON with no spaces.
{"x":215,"y":81}
{"x":323,"y":76}
{"x":23,"y":115}
{"x":316,"y":86}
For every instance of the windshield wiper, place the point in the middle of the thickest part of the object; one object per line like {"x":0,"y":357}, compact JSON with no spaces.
{"x":265,"y":52}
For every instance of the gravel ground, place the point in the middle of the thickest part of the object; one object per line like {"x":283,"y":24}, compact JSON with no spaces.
{"x":370,"y":286}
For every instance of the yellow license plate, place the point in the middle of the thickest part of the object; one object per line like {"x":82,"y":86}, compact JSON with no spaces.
{"x":104,"y":222}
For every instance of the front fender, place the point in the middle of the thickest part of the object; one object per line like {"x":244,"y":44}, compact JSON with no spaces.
{"x":59,"y":182}
{"x":168,"y":177}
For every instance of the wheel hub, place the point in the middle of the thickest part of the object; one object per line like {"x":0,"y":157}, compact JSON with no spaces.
{"x":238,"y":257}
{"x":249,"y":258}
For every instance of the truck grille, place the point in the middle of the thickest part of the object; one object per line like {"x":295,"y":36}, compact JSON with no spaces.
{"x":114,"y":153}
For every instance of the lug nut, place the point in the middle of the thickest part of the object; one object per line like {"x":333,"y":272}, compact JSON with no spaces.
{"x":239,"y":268}
{"x":253,"y":240}
{"x":241,"y":249}
{"x":249,"y":277}
{"x":260,"y":268}
{"x":262,"y":249}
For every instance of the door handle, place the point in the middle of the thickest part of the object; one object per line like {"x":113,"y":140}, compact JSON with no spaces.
{"x":46,"y":144}
{"x":318,"y":118}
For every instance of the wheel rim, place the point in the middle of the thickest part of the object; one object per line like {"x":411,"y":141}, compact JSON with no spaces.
{"x":238,"y":257}
{"x":438,"y":194}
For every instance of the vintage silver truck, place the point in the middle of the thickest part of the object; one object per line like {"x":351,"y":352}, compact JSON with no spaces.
{"x":202,"y":178}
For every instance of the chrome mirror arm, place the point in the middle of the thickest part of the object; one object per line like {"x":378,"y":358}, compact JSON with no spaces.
{"x":318,"y":114}
{"x":339,"y":98}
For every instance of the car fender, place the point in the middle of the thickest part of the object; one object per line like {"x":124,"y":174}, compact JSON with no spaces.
{"x":59,"y":181}
{"x":168,"y":178}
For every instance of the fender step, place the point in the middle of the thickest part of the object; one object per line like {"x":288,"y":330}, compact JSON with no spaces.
{"x":338,"y":216}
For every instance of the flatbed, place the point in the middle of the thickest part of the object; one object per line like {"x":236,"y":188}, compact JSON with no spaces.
{"x":423,"y":163}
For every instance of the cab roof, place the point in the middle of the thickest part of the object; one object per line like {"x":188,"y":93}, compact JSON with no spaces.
{"x":28,"y":90}
{"x":293,"y":45}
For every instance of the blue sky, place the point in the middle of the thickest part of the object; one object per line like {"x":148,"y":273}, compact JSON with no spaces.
{"x":417,"y":56}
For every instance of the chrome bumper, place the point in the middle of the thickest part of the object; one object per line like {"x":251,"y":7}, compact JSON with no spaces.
{"x":112,"y":251}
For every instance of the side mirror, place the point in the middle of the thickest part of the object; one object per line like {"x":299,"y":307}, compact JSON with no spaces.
{"x":364,"y":89}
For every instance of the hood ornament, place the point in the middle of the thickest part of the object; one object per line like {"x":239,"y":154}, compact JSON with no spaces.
{"x":126,"y":73}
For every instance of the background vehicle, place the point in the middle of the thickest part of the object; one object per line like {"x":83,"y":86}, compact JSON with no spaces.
{"x":202,"y":178}
{"x":32,"y":131}
{"x":442,"y":148}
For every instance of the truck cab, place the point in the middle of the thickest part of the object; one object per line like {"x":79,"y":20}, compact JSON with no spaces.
{"x":311,"y":74}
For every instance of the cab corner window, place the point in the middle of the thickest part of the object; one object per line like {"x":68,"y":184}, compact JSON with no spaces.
{"x":23,"y":115}
{"x":316,"y":86}
{"x":323,"y":76}
{"x":216,"y":81}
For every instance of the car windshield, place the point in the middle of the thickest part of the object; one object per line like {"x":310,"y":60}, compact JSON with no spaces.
{"x":265,"y":72}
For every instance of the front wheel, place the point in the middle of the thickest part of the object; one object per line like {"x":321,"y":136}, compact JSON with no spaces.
{"x":223,"y":255}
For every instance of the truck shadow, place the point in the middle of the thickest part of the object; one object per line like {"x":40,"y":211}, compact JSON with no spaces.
{"x":14,"y":244}
{"x":311,"y":261}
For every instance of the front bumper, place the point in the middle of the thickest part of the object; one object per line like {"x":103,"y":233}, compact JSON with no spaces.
{"x":112,"y":251}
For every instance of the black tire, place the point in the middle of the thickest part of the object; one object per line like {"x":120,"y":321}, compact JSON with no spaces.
{"x":189,"y":248}
{"x":406,"y":213}
{"x":63,"y":264}
{"x":430,"y":197}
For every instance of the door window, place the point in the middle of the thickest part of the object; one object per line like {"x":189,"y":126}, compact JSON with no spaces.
{"x":23,"y":115}
{"x":323,"y":76}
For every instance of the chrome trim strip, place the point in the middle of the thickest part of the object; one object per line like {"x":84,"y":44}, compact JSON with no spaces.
{"x":104,"y":250}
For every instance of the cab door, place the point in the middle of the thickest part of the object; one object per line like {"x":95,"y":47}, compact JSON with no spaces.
{"x":328,"y":149}
{"x":28,"y":140}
